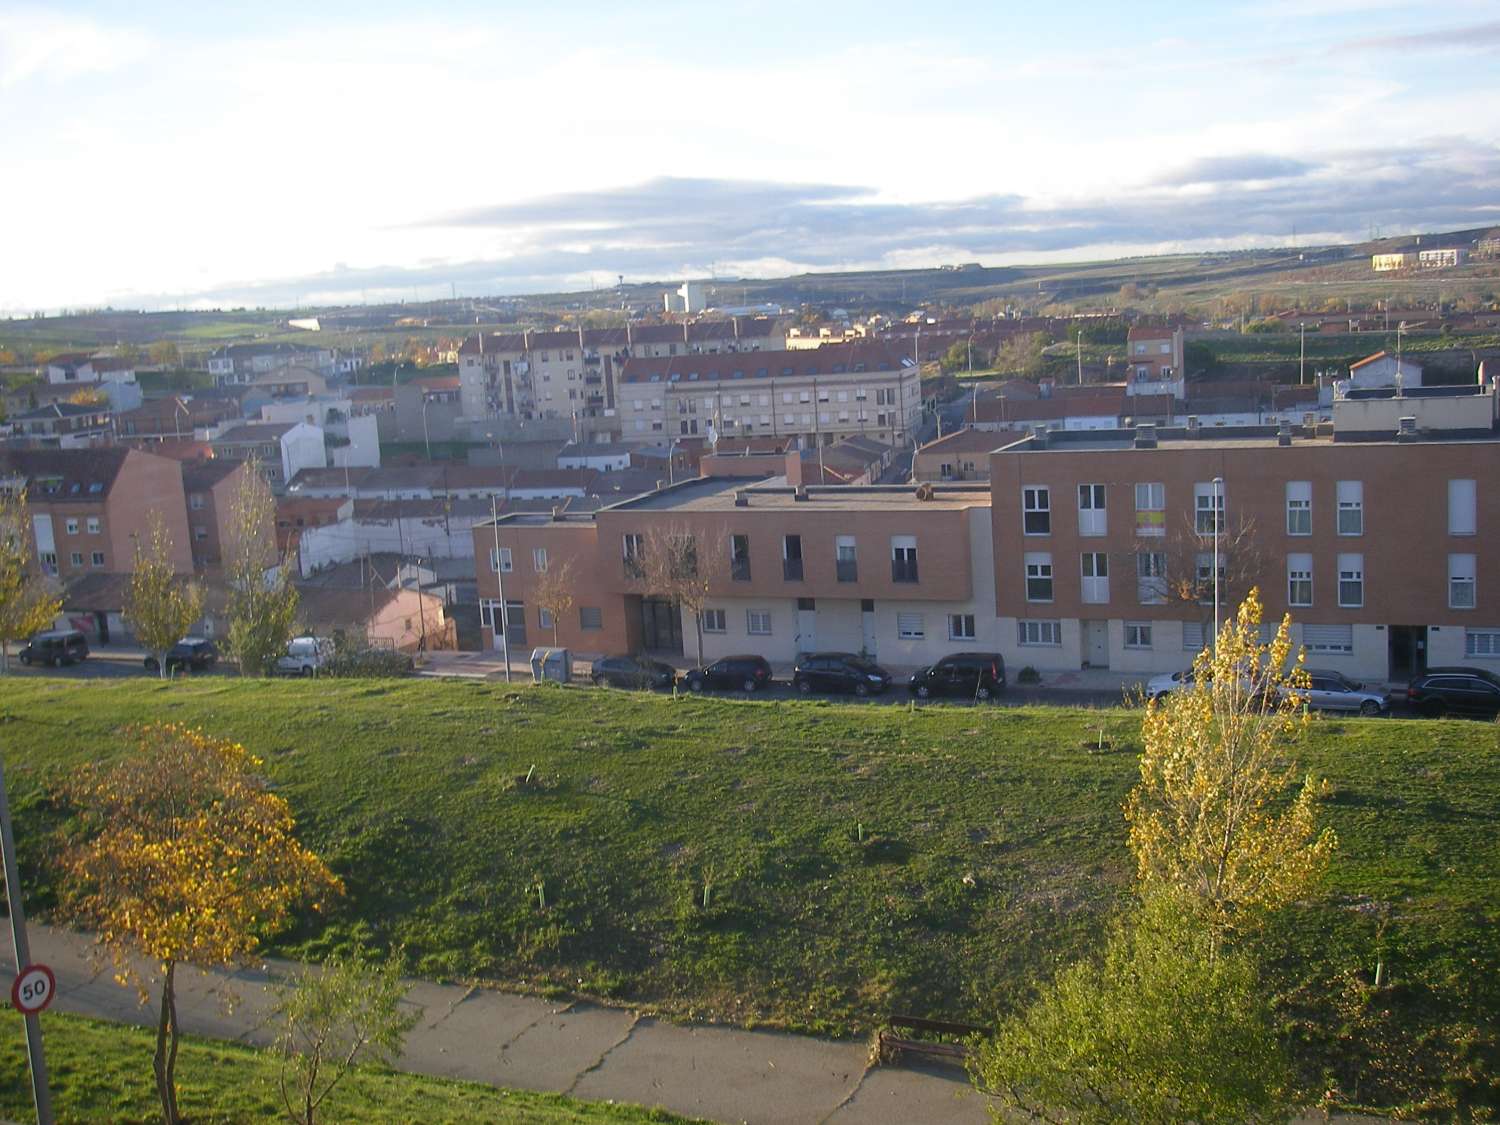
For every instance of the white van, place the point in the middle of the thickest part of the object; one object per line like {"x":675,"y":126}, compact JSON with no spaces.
{"x":305,"y":656}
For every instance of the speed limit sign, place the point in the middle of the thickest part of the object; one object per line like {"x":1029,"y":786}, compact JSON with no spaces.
{"x":33,"y":989}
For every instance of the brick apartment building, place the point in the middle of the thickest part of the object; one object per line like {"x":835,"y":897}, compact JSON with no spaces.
{"x":210,"y":487}
{"x":1374,"y":533}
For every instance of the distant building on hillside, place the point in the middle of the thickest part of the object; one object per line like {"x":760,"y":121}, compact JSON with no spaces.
{"x":1442,"y":258}
{"x":1386,"y":263}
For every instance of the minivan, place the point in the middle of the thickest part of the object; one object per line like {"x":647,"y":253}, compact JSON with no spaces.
{"x":964,"y":675}
{"x":56,"y":647}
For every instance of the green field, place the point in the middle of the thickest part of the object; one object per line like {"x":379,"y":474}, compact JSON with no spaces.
{"x":811,"y":865}
{"x":102,"y":1072}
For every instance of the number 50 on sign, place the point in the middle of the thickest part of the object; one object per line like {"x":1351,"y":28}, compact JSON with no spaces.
{"x":33,"y":989}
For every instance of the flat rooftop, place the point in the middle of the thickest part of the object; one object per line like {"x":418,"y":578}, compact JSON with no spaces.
{"x":1228,"y":437}
{"x":714,"y":494}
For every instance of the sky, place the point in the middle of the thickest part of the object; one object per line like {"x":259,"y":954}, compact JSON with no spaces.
{"x":162,"y":154}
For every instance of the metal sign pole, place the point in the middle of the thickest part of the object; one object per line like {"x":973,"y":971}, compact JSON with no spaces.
{"x":39,"y":1091}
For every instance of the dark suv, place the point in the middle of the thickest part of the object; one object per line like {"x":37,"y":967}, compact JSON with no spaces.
{"x":745,"y":673}
{"x":191,"y":654}
{"x":1455,"y":691}
{"x":632,"y":672}
{"x":839,"y":671}
{"x":60,"y":646}
{"x":967,"y":675}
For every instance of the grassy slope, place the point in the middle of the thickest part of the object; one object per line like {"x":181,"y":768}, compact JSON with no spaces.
{"x":837,"y":840}
{"x":102,"y":1072}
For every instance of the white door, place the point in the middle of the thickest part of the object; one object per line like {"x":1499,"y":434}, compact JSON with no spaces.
{"x":807,"y":630}
{"x":867,"y":618}
{"x":1096,"y":643}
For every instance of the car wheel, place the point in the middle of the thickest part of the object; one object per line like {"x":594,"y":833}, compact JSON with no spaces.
{"x":55,"y":662}
{"x":1160,"y":697}
{"x":26,"y":660}
{"x":599,"y":681}
{"x":695,"y":685}
{"x":748,"y":685}
{"x":1433,"y":709}
{"x":861,"y":689}
{"x":1369,"y":709}
{"x":923,"y":691}
{"x":981,"y":692}
{"x":804,"y":687}
{"x":307,"y":670}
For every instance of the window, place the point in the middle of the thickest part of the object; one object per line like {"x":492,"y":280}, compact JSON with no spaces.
{"x":1299,"y":507}
{"x":93,"y":525}
{"x":846,"y":562}
{"x":1205,"y":576}
{"x":1037,"y":505}
{"x":200,"y":534}
{"x":76,"y":558}
{"x":1482,"y":642}
{"x":1351,"y":581}
{"x":903,"y":558}
{"x":1091,"y":513}
{"x":1039,"y":632}
{"x":1460,"y":581}
{"x":590,"y":617}
{"x":539,"y":559}
{"x":1137,"y":634}
{"x":1461,"y":505}
{"x":758,"y":622}
{"x":961,"y":627}
{"x":195,"y":501}
{"x":739,"y":558}
{"x":1336,"y":640}
{"x":910,"y":627}
{"x":1208,"y":507}
{"x":97,"y":558}
{"x":1095,"y":577}
{"x":1038,"y":577}
{"x":544,"y":618}
{"x":1351,"y":496}
{"x":1151,"y":578}
{"x":714,"y":621}
{"x":500,"y":560}
{"x":791,"y":558}
{"x":1299,"y":588}
{"x":72,"y":526}
{"x":635,"y":551}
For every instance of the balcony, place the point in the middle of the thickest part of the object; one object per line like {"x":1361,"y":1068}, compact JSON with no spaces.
{"x":739,"y":570}
{"x":634,"y":571}
{"x":847,"y":570}
{"x":903,"y":570}
{"x":591,"y":359}
{"x":791,"y":570}
{"x":593,"y":380}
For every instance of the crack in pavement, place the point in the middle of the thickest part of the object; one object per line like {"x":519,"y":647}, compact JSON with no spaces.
{"x":848,"y":1097}
{"x":635,"y":1021}
{"x":473,"y":988}
{"x":568,"y":1007}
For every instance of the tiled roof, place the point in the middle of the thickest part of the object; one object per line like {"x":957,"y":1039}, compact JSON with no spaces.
{"x":828,"y":360}
{"x":71,"y":474}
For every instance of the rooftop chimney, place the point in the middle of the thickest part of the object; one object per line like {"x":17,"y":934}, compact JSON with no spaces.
{"x":801,"y":493}
{"x":1192,"y":423}
{"x":1145,"y":435}
{"x":741,"y":498}
{"x":1406,"y":428}
{"x":1284,"y":433}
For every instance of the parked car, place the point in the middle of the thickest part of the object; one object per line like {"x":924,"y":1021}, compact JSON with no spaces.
{"x":968,"y":675}
{"x":192,"y":654}
{"x":1334,"y":691}
{"x":55,"y":647}
{"x":1159,"y":687}
{"x":745,"y":673}
{"x":840,"y":672}
{"x":632,"y":672}
{"x":1455,"y":691}
{"x":305,"y":656}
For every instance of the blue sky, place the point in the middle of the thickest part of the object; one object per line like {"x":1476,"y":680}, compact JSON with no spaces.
{"x":168,"y":154}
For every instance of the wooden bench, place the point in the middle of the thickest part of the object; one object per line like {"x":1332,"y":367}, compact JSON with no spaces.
{"x":898,"y":1038}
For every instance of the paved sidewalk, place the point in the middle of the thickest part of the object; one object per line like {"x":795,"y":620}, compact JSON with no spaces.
{"x":593,"y":1052}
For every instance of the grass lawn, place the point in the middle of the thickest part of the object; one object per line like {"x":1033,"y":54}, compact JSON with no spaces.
{"x":102,"y":1072}
{"x":804,"y":864}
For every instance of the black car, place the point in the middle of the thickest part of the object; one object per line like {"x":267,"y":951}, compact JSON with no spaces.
{"x":191,"y":654}
{"x":632,"y":672}
{"x":1455,"y":691}
{"x":839,"y":671}
{"x":731,"y":673}
{"x":54,"y":648}
{"x":967,"y":675}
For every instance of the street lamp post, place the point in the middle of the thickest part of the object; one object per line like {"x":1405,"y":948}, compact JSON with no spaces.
{"x":1218,"y":519}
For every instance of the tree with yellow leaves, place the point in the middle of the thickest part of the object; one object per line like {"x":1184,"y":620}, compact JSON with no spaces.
{"x":27,"y":603}
{"x":184,"y":857}
{"x":1205,"y":820}
{"x":160,"y":606}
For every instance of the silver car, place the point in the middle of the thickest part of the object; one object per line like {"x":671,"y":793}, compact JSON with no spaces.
{"x":1333,"y":691}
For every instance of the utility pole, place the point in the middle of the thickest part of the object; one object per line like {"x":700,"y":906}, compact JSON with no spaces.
{"x":1080,"y":354}
{"x":500,"y":591}
{"x":1302,"y":358}
{"x":40,"y":1092}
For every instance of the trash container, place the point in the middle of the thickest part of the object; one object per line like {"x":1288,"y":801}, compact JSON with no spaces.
{"x":555,"y":664}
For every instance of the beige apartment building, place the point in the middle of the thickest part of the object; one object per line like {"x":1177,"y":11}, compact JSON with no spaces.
{"x":897,"y":572}
{"x":572,"y":372}
{"x":815,"y":397}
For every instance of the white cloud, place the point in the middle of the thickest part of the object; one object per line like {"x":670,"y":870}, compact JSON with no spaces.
{"x":38,"y":44}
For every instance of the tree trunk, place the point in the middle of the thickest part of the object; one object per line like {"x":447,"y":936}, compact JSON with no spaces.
{"x":164,"y":1062}
{"x":4,"y":657}
{"x":161,"y":665}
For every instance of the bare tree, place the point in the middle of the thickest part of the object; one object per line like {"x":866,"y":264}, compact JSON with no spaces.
{"x":678,"y":565}
{"x":27,"y":603}
{"x":262,"y":600}
{"x":554,"y":592}
{"x":1177,"y":568}
{"x":160,"y":606}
